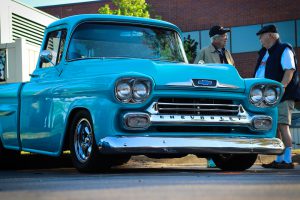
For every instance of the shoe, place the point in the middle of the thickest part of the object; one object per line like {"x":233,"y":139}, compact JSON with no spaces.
{"x":284,"y":165}
{"x":210,"y":163}
{"x":273,"y":165}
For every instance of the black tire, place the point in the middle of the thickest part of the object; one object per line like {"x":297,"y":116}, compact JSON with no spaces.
{"x":84,"y":153}
{"x":8,"y":158}
{"x":234,"y":162}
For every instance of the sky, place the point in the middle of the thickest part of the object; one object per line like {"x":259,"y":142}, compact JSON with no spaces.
{"x":35,"y":3}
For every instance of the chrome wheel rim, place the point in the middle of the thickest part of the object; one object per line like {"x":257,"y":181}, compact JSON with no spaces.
{"x":83,"y":140}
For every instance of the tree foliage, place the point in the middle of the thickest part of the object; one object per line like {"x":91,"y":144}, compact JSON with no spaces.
{"x":137,"y":8}
{"x":190,"y":47}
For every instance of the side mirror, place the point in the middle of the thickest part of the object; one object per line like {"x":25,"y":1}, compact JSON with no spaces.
{"x":46,"y":57}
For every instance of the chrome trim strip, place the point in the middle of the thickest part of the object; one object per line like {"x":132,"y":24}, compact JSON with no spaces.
{"x":221,"y":85}
{"x":144,"y":145}
{"x":197,"y":120}
{"x":6,"y":112}
{"x":191,"y":84}
{"x":180,"y":84}
{"x":234,"y":121}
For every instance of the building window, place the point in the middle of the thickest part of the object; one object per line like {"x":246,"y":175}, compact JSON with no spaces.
{"x":244,"y":39}
{"x":205,"y":39}
{"x":298,"y":33}
{"x":193,"y":35}
{"x":286,"y":31}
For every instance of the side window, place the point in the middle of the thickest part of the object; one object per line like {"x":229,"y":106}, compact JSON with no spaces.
{"x":55,"y":44}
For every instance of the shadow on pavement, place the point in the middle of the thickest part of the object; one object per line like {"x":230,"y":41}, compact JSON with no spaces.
{"x":33,"y":161}
{"x":136,"y":164}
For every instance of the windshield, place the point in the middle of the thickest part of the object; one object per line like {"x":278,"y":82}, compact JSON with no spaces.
{"x":96,"y":40}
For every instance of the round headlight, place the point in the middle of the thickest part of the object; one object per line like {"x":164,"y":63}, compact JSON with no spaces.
{"x":140,"y":91}
{"x":123,"y":91}
{"x":256,"y":95}
{"x":270,"y":95}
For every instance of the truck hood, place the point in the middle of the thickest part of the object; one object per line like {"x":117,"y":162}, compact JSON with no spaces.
{"x":168,"y":75}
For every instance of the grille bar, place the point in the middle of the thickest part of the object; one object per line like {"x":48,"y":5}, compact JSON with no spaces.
{"x":195,"y":104}
{"x":197,"y":107}
{"x":199,"y":110}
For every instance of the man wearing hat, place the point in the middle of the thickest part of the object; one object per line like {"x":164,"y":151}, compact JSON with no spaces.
{"x":216,"y":52}
{"x":277,"y":62}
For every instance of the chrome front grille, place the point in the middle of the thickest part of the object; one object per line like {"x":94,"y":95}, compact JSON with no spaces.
{"x":183,"y":106}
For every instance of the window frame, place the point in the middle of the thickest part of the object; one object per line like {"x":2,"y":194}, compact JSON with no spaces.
{"x":124,"y":24}
{"x":59,"y":55}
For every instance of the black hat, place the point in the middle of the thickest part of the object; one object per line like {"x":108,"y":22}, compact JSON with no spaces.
{"x":267,"y":29}
{"x":217,"y":30}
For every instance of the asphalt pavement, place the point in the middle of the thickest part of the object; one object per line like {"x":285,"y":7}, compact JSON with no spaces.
{"x":142,"y":178}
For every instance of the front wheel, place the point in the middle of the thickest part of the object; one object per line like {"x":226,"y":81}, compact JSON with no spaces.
{"x":234,"y":162}
{"x":84,"y":154}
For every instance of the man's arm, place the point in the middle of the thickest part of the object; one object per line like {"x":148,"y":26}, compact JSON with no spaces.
{"x":287,"y":77}
{"x":288,"y":65}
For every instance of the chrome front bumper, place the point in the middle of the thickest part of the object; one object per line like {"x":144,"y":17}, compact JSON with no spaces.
{"x":193,"y":145}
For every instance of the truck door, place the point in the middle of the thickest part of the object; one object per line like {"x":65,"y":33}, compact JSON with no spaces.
{"x":40,"y":116}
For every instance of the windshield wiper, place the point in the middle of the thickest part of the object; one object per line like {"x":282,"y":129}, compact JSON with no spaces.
{"x":166,"y":60}
{"x":123,"y":57}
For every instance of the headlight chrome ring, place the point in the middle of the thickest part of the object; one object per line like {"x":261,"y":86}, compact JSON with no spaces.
{"x":271,"y":95}
{"x":140,"y":90}
{"x":256,"y":95}
{"x":132,"y":90}
{"x":124,"y":91}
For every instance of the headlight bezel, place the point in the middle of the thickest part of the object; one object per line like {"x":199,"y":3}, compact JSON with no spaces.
{"x":257,"y":87}
{"x":277,"y":94}
{"x":117,"y":93}
{"x":132,"y":82}
{"x":264,"y":87}
{"x":137,"y":97}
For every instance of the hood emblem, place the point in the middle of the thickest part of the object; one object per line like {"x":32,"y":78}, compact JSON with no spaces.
{"x":204,"y":83}
{"x":201,"y":83}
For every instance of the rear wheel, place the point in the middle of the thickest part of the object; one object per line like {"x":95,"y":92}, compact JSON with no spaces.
{"x":234,"y":162}
{"x":85,"y":156}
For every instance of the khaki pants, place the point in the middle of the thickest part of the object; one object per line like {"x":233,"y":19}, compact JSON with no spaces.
{"x":285,"y":109}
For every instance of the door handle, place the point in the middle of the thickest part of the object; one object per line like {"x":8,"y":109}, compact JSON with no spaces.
{"x":34,"y":75}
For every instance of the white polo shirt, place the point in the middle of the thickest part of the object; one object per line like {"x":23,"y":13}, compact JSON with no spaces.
{"x":287,"y":62}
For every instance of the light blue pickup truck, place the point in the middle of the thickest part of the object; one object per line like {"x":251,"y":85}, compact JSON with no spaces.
{"x":108,"y":87}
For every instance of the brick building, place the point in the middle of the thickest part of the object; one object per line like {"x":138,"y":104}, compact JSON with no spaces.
{"x":195,"y":17}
